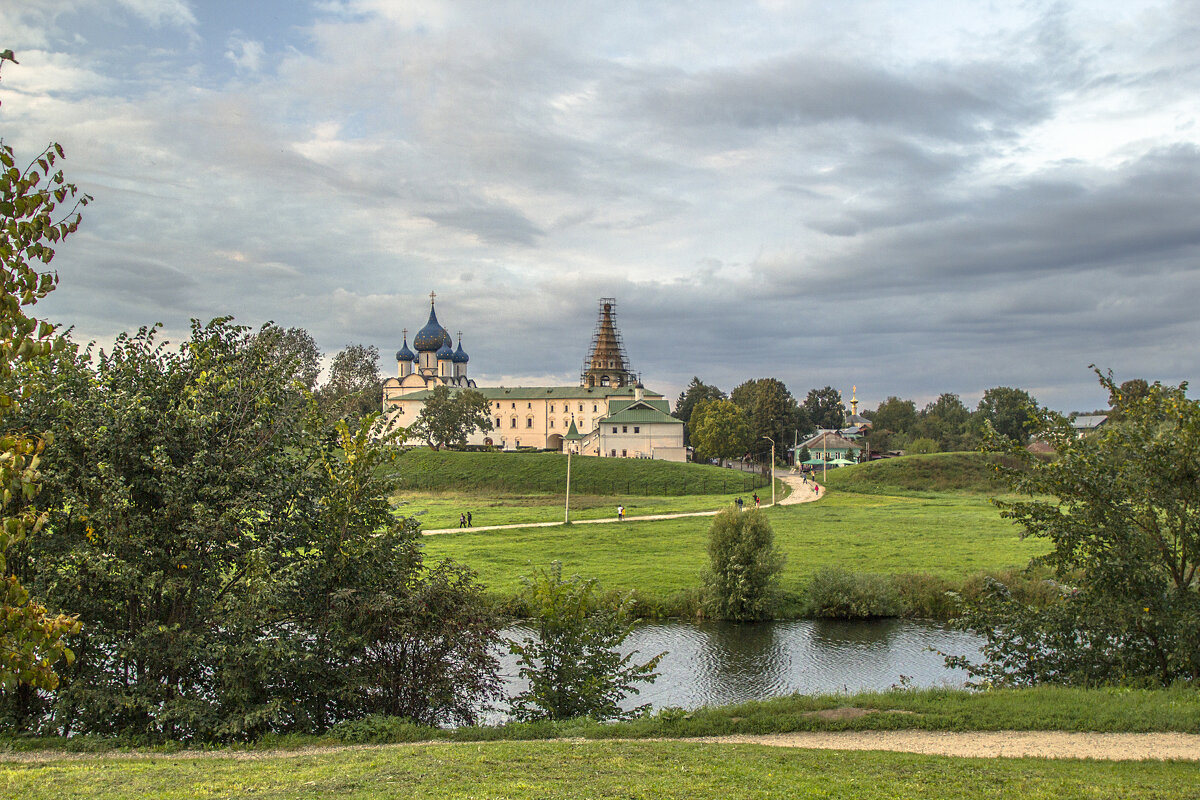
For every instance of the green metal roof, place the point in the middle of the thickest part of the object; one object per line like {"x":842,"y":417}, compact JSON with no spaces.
{"x":543,"y":393}
{"x":639,"y":415}
{"x":658,"y":402}
{"x":574,"y":433}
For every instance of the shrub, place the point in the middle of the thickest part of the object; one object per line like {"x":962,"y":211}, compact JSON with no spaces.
{"x":573,"y":666}
{"x":835,"y":593}
{"x":741,"y":583}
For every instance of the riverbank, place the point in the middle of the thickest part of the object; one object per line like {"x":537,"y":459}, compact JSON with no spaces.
{"x":1041,"y":742}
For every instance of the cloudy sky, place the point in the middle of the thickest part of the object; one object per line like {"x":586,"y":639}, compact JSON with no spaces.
{"x":914,"y":197}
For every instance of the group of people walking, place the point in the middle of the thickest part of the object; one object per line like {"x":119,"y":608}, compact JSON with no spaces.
{"x":464,"y":520}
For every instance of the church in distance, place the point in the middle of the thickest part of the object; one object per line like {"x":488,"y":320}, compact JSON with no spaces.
{"x":607,"y":414}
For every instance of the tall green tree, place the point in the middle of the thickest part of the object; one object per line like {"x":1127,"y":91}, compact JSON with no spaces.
{"x":1121,"y":510}
{"x":771,"y":410}
{"x":741,"y":582}
{"x":719,"y":429}
{"x":824,"y":408}
{"x":33,"y":221}
{"x":237,"y":564}
{"x":354,"y":388}
{"x":450,"y":416}
{"x":895,"y":415}
{"x":298,"y":351}
{"x":1011,"y":412}
{"x":572,"y":663}
{"x":696,"y":392}
{"x":948,"y":422}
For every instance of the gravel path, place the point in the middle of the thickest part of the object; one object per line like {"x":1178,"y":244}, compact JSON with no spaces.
{"x":994,"y":744}
{"x":972,"y":744}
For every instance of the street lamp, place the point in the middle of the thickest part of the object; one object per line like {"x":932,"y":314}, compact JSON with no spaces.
{"x":567,"y":505}
{"x":772,"y":441}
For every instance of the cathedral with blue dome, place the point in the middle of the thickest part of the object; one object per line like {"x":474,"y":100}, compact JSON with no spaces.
{"x":608,"y":414}
{"x":435,"y":362}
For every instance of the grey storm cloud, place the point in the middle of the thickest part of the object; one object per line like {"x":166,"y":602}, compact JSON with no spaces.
{"x":947,"y":102}
{"x":947,"y":199}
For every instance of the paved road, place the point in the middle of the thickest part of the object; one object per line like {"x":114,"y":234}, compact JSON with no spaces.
{"x":802,"y":492}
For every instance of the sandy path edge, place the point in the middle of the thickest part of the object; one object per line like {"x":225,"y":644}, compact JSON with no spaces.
{"x":968,"y":744}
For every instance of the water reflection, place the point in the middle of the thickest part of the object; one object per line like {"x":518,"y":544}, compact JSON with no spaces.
{"x":718,"y":663}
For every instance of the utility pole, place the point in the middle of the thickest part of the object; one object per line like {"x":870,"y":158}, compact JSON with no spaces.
{"x":772,"y":441}
{"x":567,"y":508}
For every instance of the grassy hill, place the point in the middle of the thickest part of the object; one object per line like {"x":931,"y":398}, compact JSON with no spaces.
{"x":974,"y":473}
{"x":532,"y":473}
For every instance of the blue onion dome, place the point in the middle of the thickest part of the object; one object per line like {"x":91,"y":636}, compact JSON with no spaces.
{"x":446,"y":352}
{"x":404,"y":354}
{"x":460,"y":355}
{"x":432,"y":336}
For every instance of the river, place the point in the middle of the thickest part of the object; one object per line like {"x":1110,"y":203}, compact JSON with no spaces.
{"x":719,"y":663}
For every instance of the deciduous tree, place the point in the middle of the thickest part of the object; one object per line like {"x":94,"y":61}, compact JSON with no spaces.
{"x":771,"y":410}
{"x":824,"y":408}
{"x":32,"y":222}
{"x":1121,"y":509}
{"x":450,"y":416}
{"x":696,"y":392}
{"x":354,"y":388}
{"x":1011,"y":412}
{"x":573,"y":666}
{"x":719,"y":429}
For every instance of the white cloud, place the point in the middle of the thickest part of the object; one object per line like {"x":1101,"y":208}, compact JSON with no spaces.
{"x":246,"y":54}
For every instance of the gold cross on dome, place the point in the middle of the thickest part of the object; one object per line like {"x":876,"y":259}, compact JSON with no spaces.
{"x":432,"y":297}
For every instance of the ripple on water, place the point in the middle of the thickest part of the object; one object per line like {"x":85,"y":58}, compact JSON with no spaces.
{"x":720,"y":663}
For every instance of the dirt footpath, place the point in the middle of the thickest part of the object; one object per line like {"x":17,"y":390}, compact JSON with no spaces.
{"x":993,"y":744}
{"x":974,"y":744}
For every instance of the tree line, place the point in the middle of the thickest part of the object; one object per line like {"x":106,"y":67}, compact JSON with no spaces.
{"x":724,"y":426}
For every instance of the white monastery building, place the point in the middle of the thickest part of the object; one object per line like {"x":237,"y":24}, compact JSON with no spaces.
{"x":609,"y":414}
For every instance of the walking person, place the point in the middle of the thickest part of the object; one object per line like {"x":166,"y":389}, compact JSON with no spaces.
{"x":756,"y":500}
{"x":468,"y":519}
{"x":620,"y":513}
{"x":739,"y":504}
{"x":462,"y":520}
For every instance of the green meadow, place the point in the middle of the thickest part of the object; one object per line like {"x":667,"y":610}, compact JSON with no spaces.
{"x":875,"y":518}
{"x":587,"y":769}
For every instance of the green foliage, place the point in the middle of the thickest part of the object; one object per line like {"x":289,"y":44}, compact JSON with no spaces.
{"x":1121,"y":509}
{"x":720,"y":429}
{"x":1013,"y":413}
{"x":741,"y":582}
{"x":824,"y":408}
{"x":297,"y":352}
{"x":948,"y":422}
{"x":32,"y":223}
{"x":770,"y":409}
{"x":449,"y":416}
{"x":696,"y":392}
{"x":894,"y":415}
{"x":572,"y":664}
{"x":354,"y":389}
{"x":921,"y":446}
{"x":835,"y":593}
{"x":236,"y":562}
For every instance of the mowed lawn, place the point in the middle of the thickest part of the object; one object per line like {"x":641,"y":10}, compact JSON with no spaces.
{"x":442,"y":509}
{"x":584,"y":769}
{"x":950,"y":535}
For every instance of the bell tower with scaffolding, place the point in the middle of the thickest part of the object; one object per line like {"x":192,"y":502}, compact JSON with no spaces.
{"x":606,"y":364}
